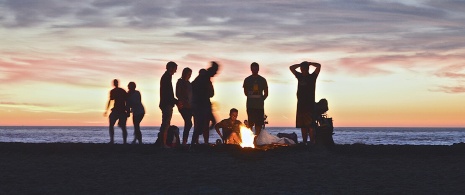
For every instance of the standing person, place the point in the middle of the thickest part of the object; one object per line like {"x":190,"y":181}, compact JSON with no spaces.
{"x":306,"y":98}
{"x":119,"y":112}
{"x":134,"y":103}
{"x":184,"y":95}
{"x":231,"y":128}
{"x":203,"y":90}
{"x":256,"y":90}
{"x":167,"y":100}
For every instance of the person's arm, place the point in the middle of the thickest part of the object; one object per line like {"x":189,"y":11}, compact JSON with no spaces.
{"x":293,"y":68}
{"x":108,"y":106}
{"x":318,"y":67}
{"x":265,"y":93}
{"x":217,"y":128}
{"x":245,"y":89}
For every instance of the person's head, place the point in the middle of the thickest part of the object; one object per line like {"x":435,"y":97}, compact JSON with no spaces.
{"x":233,"y":114}
{"x":115,"y":82}
{"x":213,"y":69}
{"x":254,"y":67}
{"x":132,"y":86}
{"x":171,"y":67}
{"x":202,"y":72}
{"x":186,"y":73}
{"x":304,"y":66}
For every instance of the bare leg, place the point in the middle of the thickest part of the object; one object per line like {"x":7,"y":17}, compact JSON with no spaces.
{"x":312,"y":135}
{"x":258,"y":129}
{"x":304,"y":135}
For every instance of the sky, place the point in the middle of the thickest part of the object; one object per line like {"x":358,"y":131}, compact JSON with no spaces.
{"x":384,"y":63}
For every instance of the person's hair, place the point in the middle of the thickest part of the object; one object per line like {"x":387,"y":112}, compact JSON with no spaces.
{"x":254,"y":64}
{"x":185,"y":71}
{"x":213,"y":69}
{"x":132,"y":85}
{"x":170,"y":65}
{"x":115,"y":82}
{"x":305,"y":64}
{"x":233,"y":110}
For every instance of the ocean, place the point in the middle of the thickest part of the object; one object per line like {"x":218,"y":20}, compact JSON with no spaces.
{"x":342,"y":135}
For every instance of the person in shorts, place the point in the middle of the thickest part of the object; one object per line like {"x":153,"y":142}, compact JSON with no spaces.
{"x":256,"y":90}
{"x":231,"y":128}
{"x":119,"y":112}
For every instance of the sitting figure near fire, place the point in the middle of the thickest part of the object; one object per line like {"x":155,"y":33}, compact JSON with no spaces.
{"x":231,"y":128}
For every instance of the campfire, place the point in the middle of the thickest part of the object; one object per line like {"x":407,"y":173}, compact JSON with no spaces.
{"x":247,"y":138}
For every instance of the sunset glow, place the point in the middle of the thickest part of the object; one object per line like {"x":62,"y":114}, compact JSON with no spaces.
{"x":384,"y":63}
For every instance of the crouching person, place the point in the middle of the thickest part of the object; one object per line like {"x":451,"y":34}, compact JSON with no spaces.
{"x":231,"y":128}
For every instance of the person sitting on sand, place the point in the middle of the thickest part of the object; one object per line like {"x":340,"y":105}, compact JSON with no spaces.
{"x":172,"y":137}
{"x":231,"y":128}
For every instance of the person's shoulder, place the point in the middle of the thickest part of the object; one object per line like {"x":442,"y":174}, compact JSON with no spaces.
{"x":238,"y":122}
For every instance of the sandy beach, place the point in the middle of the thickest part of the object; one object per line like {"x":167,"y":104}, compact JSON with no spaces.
{"x":144,"y":169}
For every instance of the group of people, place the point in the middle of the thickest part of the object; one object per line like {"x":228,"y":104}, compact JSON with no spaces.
{"x":193,"y":101}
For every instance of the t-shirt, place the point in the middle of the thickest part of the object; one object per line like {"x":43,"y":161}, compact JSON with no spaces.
{"x":228,"y":126}
{"x":166,"y":91}
{"x":306,"y":86}
{"x":255,"y":87}
{"x":119,"y":96}
{"x":184,"y":92}
{"x":134,"y":102}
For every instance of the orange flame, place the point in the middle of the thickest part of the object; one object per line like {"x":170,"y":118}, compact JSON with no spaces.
{"x":247,"y":138}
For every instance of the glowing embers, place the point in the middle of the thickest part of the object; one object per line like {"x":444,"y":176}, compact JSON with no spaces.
{"x":247,"y":138}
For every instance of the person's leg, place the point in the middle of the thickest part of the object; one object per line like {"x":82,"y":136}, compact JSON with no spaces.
{"x":167,"y":113}
{"x":137,"y":133}
{"x":112,"y":120}
{"x":259,"y":120}
{"x":122,"y":118}
{"x":304,"y":135}
{"x":311,"y":132}
{"x":187,"y":116}
{"x":205,"y":124}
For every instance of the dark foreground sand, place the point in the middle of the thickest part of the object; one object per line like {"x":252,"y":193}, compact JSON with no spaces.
{"x":144,"y":169}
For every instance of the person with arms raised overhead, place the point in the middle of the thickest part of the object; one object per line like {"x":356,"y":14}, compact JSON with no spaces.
{"x":119,"y":112}
{"x":167,"y":100}
{"x":256,"y":90}
{"x":305,"y":117}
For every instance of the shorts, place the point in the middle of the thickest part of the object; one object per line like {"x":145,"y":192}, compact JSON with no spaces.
{"x":121,"y":117}
{"x":256,"y":117}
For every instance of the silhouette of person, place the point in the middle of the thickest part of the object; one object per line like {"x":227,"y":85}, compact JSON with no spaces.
{"x":256,"y":90}
{"x":203,"y":90}
{"x":184,"y":95}
{"x":119,"y":112}
{"x":134,"y":102}
{"x":306,"y":98}
{"x":172,"y":140}
{"x":231,"y":128}
{"x":167,"y":100}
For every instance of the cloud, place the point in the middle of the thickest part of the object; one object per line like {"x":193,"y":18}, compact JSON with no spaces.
{"x":450,"y":89}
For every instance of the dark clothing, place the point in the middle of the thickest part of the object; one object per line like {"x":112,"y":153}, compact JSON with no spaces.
{"x":255,"y":87}
{"x":187,"y":116}
{"x":305,"y":99}
{"x":166,"y":115}
{"x":119,"y":96}
{"x":228,"y":126}
{"x":184,"y":92}
{"x":202,"y":89}
{"x":136,"y":119}
{"x":166,"y":91}
{"x":256,"y":117}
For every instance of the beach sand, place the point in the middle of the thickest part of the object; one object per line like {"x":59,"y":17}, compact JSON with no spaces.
{"x":144,"y":169}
